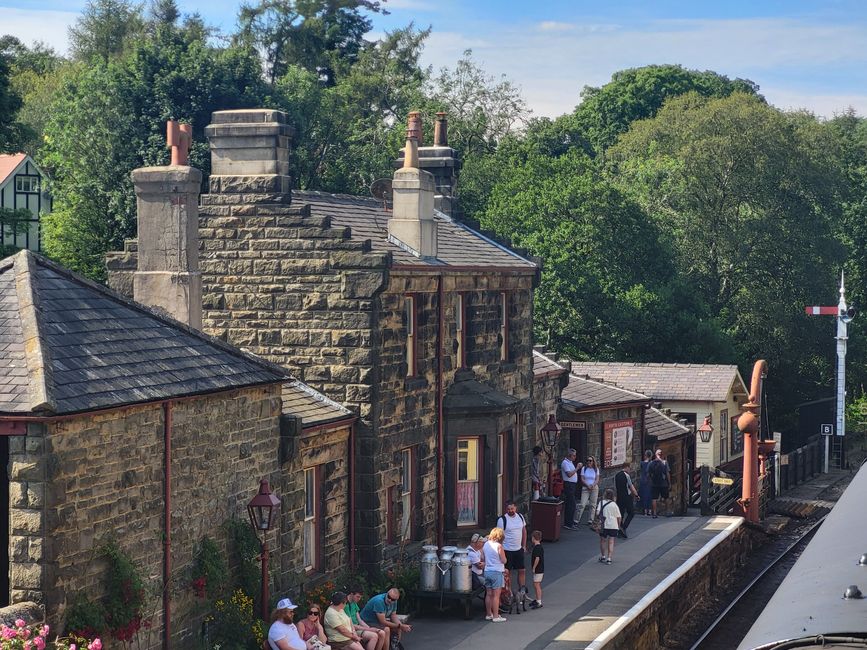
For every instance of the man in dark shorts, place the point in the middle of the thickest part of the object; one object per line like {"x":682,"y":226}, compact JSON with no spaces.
{"x":515,"y":542}
{"x":626,"y":495}
{"x":660,"y":481}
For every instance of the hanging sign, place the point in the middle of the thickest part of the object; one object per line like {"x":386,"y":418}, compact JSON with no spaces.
{"x":617,"y":442}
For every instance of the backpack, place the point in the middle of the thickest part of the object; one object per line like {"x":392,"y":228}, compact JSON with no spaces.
{"x":598,"y":522}
{"x":657,"y":472}
{"x":503,"y":518}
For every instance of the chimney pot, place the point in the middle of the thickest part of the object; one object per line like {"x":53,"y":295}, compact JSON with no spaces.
{"x":441,"y":136}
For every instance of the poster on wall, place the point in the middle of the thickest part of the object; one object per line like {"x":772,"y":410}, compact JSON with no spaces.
{"x":737,"y":437}
{"x":617,"y":442}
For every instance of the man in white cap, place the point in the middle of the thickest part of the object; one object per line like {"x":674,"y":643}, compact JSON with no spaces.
{"x":477,"y":563}
{"x":283,"y":634}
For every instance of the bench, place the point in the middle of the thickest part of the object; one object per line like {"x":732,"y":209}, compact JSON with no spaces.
{"x":445,"y":600}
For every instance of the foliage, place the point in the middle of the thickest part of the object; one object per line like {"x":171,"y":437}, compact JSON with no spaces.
{"x":85,"y":618}
{"x":209,"y":572}
{"x":244,"y":550}
{"x":21,"y":637}
{"x":323,"y":38}
{"x":10,"y":102}
{"x":125,"y":596}
{"x":13,"y":222}
{"x":105,"y":28}
{"x":233,"y":626}
{"x":638,"y":93}
{"x":319,"y":595}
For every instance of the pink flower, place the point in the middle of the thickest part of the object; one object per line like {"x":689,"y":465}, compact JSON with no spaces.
{"x":39,"y":643}
{"x":45,"y":630}
{"x":19,"y":622}
{"x":8,"y":632}
{"x":72,"y":646}
{"x":95,"y":645}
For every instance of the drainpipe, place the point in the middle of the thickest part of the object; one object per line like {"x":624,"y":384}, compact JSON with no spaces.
{"x":167,"y":522}
{"x":352,"y":495}
{"x":440,"y":425}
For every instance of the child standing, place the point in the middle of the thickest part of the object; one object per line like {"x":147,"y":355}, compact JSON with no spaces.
{"x":537,"y":559}
{"x":609,"y":513}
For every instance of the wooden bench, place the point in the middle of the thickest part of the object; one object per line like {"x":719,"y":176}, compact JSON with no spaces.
{"x":445,"y":600}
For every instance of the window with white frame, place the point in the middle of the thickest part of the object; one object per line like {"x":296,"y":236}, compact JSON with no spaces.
{"x":311,"y":514}
{"x":504,"y":326}
{"x":406,"y":473}
{"x":27,"y":184}
{"x":723,"y":435}
{"x":411,"y":337}
{"x":468,"y":482}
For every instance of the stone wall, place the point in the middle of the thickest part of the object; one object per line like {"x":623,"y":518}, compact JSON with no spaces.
{"x":100,"y":476}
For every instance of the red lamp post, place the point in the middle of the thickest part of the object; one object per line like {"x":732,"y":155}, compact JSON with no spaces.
{"x":550,"y":437}
{"x":705,"y":431}
{"x":262,"y":510}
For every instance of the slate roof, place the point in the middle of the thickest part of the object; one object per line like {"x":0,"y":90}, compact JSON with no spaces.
{"x":667,"y":381}
{"x":582,"y":393}
{"x":662,"y":427}
{"x":544,"y":365}
{"x":9,"y":163}
{"x":457,"y":244}
{"x":71,"y":345}
{"x":312,"y":407}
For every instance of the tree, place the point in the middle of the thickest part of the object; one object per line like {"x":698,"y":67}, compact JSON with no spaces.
{"x":749,"y":197}
{"x":321,"y":36}
{"x":109,"y":118}
{"x":105,"y":28}
{"x":10,"y":103}
{"x":638,"y":93}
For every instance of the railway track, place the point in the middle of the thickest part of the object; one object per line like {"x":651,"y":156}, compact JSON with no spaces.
{"x":727,"y":630}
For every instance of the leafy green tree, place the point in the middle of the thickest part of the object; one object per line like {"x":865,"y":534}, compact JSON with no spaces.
{"x":10,"y":103}
{"x":749,"y":197}
{"x":323,"y":37}
{"x":105,"y":28}
{"x":109,"y":118}
{"x":638,"y":93}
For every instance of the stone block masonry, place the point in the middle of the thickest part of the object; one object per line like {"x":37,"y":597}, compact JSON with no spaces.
{"x":79,"y":481}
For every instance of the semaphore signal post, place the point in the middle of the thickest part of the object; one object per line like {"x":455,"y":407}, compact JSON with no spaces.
{"x":844,"y":315}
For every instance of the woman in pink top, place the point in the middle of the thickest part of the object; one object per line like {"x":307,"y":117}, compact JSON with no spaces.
{"x":311,"y":625}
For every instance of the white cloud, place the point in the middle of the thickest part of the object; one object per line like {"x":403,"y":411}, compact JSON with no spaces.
{"x":554,"y":26}
{"x":28,"y":25}
{"x":409,"y":5}
{"x":553,"y":66}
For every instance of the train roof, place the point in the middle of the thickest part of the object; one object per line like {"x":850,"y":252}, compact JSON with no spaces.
{"x":810,"y":600}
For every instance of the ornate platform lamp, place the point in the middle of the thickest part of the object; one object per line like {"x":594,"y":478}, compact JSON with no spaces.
{"x":262,"y":510}
{"x":705,"y":431}
{"x":550,"y":439}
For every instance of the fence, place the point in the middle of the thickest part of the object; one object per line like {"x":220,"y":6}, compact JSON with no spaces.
{"x":801,"y":464}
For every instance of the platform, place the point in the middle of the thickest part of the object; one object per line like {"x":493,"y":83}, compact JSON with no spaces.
{"x":587,"y":604}
{"x":582,"y":598}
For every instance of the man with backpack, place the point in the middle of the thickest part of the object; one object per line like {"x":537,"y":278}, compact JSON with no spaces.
{"x":515,"y":542}
{"x":660,"y":481}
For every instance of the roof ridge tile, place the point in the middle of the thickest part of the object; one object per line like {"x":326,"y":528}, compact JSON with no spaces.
{"x":35,"y":349}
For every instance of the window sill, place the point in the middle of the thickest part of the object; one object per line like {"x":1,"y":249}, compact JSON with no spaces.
{"x":415,"y":383}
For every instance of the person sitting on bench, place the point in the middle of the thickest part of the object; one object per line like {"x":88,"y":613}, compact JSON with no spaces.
{"x":477,"y":562}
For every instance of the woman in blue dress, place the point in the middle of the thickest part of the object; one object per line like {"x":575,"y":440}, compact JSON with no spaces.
{"x":644,"y":483}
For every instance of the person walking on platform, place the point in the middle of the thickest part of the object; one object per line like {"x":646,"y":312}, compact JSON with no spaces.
{"x":660,"y":482}
{"x":589,"y":489}
{"x":644,"y":488}
{"x":515,"y":543}
{"x":569,"y":472}
{"x":494,"y":557}
{"x":609,"y":513}
{"x":626,"y":494}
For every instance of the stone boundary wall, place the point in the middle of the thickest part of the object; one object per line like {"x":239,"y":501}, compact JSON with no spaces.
{"x":651,"y":626}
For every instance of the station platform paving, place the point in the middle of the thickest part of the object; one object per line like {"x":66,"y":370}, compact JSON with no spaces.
{"x":584,"y":600}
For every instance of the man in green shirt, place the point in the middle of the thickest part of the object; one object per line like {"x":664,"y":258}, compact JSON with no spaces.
{"x":372,"y":638}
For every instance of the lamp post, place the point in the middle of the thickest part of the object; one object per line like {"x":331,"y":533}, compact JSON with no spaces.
{"x":550,"y":438}
{"x":705,"y":431}
{"x":262,"y":510}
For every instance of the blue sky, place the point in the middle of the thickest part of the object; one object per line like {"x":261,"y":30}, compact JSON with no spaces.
{"x":803,"y":54}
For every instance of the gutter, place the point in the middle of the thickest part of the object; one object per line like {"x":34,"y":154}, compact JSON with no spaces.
{"x":167,"y":522}
{"x":440,"y":424}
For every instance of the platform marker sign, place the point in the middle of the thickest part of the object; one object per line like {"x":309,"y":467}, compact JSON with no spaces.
{"x":826,"y":429}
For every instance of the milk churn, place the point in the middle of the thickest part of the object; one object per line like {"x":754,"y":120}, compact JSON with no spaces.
{"x":446,"y":555}
{"x":462,"y":579}
{"x":430,"y":572}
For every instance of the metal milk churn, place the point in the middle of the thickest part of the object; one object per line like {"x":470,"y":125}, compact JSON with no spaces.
{"x":430,"y":571}
{"x":462,"y":579}
{"x":446,"y":555}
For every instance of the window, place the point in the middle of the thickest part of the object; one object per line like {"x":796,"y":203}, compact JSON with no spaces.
{"x":736,"y":438}
{"x":407,"y":477}
{"x":468,"y":482}
{"x":723,"y":435}
{"x":460,"y":332}
{"x":411,"y":337}
{"x":311,"y":520}
{"x":504,"y":326}
{"x":27,"y":184}
{"x":500,"y":462}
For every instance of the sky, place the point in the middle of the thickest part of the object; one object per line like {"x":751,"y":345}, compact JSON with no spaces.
{"x":804,"y":54}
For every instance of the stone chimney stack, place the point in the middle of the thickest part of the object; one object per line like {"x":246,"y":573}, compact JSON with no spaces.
{"x":250,"y":154}
{"x":444,"y":163}
{"x":412,"y":225}
{"x":167,"y":202}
